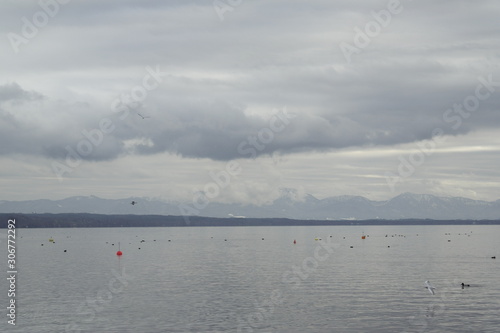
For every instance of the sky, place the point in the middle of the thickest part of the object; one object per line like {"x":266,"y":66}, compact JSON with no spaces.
{"x":238,"y":99}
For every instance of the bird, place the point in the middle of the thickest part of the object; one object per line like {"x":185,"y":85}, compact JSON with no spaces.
{"x":143,"y":117}
{"x":133,"y":203}
{"x":429,"y":287}
{"x":465,"y":285}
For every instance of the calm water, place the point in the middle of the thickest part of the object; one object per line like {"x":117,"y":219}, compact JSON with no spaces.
{"x":228,"y":279}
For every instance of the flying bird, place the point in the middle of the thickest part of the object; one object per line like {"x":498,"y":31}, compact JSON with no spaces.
{"x":143,"y":117}
{"x":429,"y":287}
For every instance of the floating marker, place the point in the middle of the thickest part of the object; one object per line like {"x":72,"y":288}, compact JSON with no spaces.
{"x":294,"y":241}
{"x":119,"y":253}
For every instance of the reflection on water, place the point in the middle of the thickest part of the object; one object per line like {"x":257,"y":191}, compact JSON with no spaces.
{"x":255,"y":279}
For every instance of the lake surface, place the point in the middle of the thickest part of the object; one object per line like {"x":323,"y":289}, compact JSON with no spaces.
{"x":255,"y":279}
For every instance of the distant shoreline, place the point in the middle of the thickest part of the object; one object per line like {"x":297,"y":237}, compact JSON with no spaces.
{"x":84,"y":220}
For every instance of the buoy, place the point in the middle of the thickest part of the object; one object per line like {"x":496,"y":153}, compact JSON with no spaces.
{"x":119,"y":253}
{"x":64,"y":250}
{"x":294,"y":241}
{"x":363,"y":237}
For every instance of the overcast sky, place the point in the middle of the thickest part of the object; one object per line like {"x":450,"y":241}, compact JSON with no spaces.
{"x":371,"y":98}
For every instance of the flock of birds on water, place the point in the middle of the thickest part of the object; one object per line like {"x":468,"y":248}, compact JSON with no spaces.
{"x":427,"y":283}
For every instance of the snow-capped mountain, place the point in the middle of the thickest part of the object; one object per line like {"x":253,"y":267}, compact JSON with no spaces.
{"x":290,"y":205}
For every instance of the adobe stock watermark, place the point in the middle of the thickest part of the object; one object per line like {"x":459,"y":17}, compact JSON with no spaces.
{"x":30,"y":28}
{"x":454,"y":117}
{"x":94,"y":137}
{"x":373,"y":28}
{"x":247,"y":148}
{"x":89,"y":308}
{"x":223,"y":6}
{"x":292,"y":278}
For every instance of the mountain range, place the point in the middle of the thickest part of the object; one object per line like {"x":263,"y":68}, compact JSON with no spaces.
{"x":288,"y":205}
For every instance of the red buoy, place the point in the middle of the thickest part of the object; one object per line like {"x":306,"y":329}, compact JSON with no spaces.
{"x":119,"y":253}
{"x":294,"y":241}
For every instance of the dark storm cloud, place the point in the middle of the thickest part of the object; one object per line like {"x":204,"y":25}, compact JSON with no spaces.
{"x":225,"y":78}
{"x":387,"y":115}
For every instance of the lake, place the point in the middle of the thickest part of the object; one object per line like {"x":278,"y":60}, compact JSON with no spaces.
{"x":255,"y":279}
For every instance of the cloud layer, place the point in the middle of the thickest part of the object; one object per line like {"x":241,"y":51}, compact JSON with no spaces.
{"x":224,"y":81}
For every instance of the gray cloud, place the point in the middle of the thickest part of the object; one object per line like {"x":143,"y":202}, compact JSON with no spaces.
{"x":369,"y":114}
{"x":225,"y":78}
{"x":14,"y":93}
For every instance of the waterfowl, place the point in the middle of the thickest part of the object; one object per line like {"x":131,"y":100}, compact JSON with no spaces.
{"x":429,"y":287}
